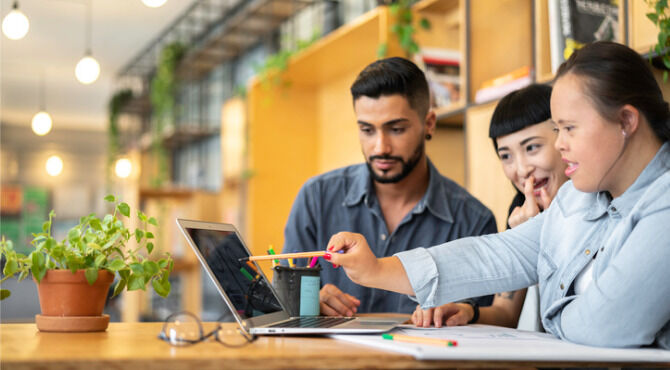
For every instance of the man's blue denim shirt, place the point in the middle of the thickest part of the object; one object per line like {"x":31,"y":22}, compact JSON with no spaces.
{"x":627,"y":304}
{"x":345,"y":200}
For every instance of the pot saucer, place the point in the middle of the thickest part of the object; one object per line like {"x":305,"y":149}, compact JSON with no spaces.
{"x":72,"y":323}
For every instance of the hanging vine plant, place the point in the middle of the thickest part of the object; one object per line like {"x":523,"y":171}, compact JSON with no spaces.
{"x":270,"y":73}
{"x":403,"y":28}
{"x":162,"y":97}
{"x":660,"y":17}
{"x":116,"y":103}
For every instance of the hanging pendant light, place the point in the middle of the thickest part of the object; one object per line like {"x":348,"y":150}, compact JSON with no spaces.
{"x":154,"y":3}
{"x":54,"y":165}
{"x":123,"y":168}
{"x":42,"y":123}
{"x":15,"y":25}
{"x":88,"y":69}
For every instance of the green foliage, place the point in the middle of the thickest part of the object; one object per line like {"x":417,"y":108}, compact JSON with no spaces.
{"x":117,"y":102}
{"x":270,"y":72}
{"x":93,"y":245}
{"x":403,"y":28}
{"x":659,"y":16}
{"x":162,"y":97}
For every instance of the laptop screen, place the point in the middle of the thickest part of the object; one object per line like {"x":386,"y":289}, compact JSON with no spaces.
{"x":246,"y":288}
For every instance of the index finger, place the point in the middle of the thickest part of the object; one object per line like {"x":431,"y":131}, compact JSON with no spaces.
{"x":528,"y":187}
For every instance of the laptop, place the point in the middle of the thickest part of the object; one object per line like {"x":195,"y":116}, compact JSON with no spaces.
{"x":254,"y":303}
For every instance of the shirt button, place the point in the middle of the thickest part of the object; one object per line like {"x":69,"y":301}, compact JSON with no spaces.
{"x":602,"y":249}
{"x":613,"y":209}
{"x":562,"y":287}
{"x":383,"y":236}
{"x":587,"y":252}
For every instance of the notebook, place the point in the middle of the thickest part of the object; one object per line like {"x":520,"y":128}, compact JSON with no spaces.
{"x":254,"y":303}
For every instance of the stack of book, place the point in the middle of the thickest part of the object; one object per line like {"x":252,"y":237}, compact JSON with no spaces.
{"x":500,"y":86}
{"x":442,"y":69}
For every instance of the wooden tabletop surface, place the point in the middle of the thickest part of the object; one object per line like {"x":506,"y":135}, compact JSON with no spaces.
{"x":136,"y":346}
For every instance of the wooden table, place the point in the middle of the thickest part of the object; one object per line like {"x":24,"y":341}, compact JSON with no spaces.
{"x":136,"y":346}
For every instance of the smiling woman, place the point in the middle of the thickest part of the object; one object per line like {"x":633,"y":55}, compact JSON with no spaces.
{"x":585,"y":250}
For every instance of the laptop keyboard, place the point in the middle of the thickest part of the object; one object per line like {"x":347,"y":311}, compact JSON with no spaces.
{"x":312,"y":322}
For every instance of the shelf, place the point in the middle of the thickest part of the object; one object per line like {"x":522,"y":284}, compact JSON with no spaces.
{"x":176,"y":138}
{"x":440,"y":6}
{"x":239,"y":28}
{"x":314,"y":66}
{"x":171,"y":193}
{"x":451,"y":116}
{"x":138,"y":105}
{"x":173,"y":139}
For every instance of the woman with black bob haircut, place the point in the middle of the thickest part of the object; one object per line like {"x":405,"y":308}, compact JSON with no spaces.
{"x":523,"y":137}
{"x":600,"y":251}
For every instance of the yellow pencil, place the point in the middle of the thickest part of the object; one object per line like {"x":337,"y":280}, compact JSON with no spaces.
{"x":284,"y":256}
{"x":420,"y":340}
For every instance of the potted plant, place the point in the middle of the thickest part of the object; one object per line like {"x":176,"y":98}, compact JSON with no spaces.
{"x":73,"y":276}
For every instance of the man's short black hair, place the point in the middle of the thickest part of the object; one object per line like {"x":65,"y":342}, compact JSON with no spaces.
{"x":520,"y":109}
{"x":392,"y":76}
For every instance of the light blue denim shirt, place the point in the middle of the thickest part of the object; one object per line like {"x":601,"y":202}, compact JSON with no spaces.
{"x":344,"y":200}
{"x":628,"y":302}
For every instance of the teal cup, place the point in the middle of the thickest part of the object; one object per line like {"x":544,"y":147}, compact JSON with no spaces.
{"x":298,"y":288}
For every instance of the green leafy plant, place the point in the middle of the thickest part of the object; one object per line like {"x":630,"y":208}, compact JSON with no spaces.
{"x":162,"y":97}
{"x":94,"y":244}
{"x":659,"y":16}
{"x":270,"y":72}
{"x":403,"y":28}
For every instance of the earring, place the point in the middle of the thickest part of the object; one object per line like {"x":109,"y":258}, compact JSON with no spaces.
{"x":623,"y":132}
{"x":429,"y":136}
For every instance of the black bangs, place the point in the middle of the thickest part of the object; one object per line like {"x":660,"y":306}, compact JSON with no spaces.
{"x":520,"y":109}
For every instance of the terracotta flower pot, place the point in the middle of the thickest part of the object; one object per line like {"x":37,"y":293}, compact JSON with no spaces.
{"x":63,"y":293}
{"x":69,"y":303}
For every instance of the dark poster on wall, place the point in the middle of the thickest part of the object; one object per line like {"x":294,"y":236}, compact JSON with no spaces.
{"x":575,"y":23}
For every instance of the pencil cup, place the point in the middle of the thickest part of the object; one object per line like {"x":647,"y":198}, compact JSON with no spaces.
{"x":299,"y":288}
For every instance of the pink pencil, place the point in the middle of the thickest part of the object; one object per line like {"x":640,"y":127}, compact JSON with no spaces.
{"x":312,"y":263}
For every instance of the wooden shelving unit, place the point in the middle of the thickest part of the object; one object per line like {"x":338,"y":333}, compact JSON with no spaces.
{"x":308,"y":128}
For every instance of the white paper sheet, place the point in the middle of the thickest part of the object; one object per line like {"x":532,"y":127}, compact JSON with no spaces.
{"x":484,"y":342}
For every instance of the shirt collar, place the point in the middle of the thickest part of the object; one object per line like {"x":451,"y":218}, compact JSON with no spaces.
{"x":623,"y":204}
{"x":362,"y":190}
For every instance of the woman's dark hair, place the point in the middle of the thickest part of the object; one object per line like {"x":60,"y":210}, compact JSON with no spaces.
{"x":520,"y":109}
{"x":615,"y":75}
{"x":393,"y":76}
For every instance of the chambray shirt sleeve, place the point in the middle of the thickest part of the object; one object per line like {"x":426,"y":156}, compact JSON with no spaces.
{"x":634,"y":288}
{"x":300,"y":233}
{"x":474,"y":266}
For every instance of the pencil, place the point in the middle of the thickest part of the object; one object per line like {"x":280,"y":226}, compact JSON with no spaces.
{"x":420,"y":340}
{"x":284,"y":256}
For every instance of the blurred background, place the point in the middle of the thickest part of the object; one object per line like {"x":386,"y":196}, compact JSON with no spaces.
{"x":219,"y":110}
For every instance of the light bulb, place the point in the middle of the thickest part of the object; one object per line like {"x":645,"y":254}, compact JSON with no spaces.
{"x":154,"y":3}
{"x":41,"y":123}
{"x":54,"y":165}
{"x":87,"y":70}
{"x":15,"y":25}
{"x":123,"y":168}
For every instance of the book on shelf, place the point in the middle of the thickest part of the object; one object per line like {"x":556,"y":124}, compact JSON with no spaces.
{"x":442,"y":69}
{"x":575,"y":23}
{"x":500,"y":86}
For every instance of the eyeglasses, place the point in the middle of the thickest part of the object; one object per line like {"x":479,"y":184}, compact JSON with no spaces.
{"x":184,"y":328}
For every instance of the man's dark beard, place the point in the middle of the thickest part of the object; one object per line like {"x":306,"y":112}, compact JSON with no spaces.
{"x":407,"y":167}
